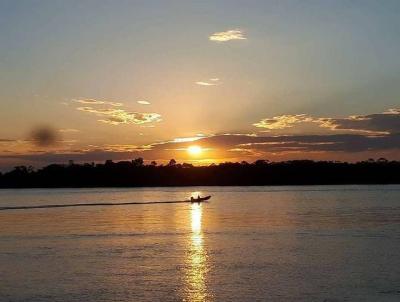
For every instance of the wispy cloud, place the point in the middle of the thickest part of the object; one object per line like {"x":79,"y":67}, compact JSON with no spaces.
{"x":205,"y":83}
{"x":282,"y":121}
{"x":290,"y":143}
{"x":377,"y":123}
{"x":235,"y":146}
{"x":120,"y":116}
{"x":68,"y":130}
{"x":379,"y":136}
{"x":143,"y":102}
{"x":187,"y":139}
{"x":224,"y":36}
{"x":116,"y":104}
{"x":122,"y":148}
{"x":210,"y":82}
{"x":97,"y":102}
{"x":116,"y":116}
{"x":392,"y":111}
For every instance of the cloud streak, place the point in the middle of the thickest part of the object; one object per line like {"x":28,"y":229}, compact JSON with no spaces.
{"x":282,"y":121}
{"x":387,"y":122}
{"x":378,"y":123}
{"x":68,"y":130}
{"x":229,"y":35}
{"x":117,"y":116}
{"x":210,"y":82}
{"x":97,"y":102}
{"x":379,"y":136}
{"x":205,"y":83}
{"x":233,"y":146}
{"x":264,"y":145}
{"x":121,"y":116}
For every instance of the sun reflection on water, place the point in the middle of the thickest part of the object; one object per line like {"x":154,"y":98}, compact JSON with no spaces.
{"x":196,"y":261}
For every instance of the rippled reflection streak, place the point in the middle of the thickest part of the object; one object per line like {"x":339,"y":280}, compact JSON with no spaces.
{"x":197,"y":259}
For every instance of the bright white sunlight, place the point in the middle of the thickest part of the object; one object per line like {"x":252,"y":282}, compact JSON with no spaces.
{"x":194,"y":150}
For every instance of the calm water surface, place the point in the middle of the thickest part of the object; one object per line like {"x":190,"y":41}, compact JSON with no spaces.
{"x":337,"y":243}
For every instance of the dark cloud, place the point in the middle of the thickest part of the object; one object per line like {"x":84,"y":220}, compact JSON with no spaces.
{"x":286,"y":143}
{"x":249,"y":145}
{"x":327,"y":143}
{"x":378,"y":123}
{"x":387,"y":122}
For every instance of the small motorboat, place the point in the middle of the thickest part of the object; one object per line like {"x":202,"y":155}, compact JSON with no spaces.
{"x":200,"y":199}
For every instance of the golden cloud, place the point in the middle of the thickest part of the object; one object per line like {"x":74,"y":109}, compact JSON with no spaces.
{"x":186,"y":139}
{"x":68,"y":130}
{"x":116,"y":116}
{"x":283,"y":121}
{"x":120,"y":116}
{"x":97,"y":102}
{"x":143,"y":102}
{"x":392,"y":111}
{"x":224,"y":36}
{"x":227,"y":146}
{"x":210,"y":82}
{"x":205,"y":83}
{"x":378,"y":123}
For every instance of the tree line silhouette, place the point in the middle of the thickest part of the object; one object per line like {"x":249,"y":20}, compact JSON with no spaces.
{"x":262,"y":172}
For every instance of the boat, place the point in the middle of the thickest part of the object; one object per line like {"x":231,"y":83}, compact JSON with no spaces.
{"x":200,"y":199}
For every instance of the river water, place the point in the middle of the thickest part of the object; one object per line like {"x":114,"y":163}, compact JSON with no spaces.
{"x":309,"y":243}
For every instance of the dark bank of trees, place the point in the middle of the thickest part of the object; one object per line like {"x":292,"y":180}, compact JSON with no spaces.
{"x":136,"y":174}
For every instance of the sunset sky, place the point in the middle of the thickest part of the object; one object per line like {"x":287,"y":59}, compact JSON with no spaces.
{"x":198,"y":81}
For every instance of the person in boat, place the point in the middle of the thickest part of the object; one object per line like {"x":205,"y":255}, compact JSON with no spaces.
{"x":198,"y":199}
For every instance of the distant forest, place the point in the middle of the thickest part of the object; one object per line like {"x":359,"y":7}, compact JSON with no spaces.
{"x":262,"y":172}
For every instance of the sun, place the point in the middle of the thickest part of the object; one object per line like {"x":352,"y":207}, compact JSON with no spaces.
{"x":194,"y":150}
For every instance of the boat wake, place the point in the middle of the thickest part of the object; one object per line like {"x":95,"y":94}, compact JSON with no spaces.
{"x":49,"y":206}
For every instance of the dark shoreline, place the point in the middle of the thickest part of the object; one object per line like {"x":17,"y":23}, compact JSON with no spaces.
{"x":200,"y":185}
{"x":134,"y":174}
